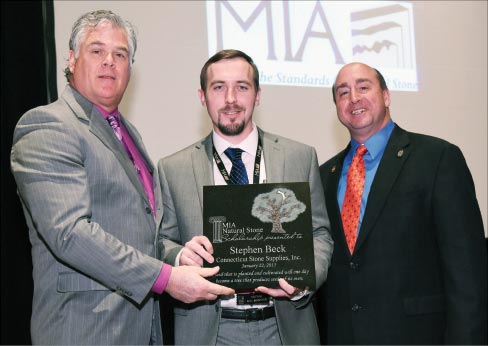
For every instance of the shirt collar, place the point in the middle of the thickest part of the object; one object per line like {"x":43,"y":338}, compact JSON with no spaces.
{"x":376,"y":143}
{"x":249,"y":145}
{"x":106,"y":114}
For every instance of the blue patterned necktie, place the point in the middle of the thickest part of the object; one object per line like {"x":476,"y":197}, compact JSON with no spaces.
{"x":238,"y":174}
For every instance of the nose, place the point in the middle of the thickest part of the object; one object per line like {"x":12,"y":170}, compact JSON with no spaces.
{"x":109,"y":60}
{"x":230,"y":96}
{"x":354,"y":96}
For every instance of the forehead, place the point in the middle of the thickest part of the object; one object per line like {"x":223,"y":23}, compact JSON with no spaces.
{"x":106,"y":33}
{"x":354,"y":73}
{"x":236,"y":69}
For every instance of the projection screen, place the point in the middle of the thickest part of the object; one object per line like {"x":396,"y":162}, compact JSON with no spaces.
{"x":433,"y":55}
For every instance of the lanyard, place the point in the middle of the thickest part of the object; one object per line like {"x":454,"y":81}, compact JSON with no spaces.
{"x":257,"y":163}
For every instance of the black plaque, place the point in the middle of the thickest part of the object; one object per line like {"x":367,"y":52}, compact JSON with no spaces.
{"x":260,"y":233}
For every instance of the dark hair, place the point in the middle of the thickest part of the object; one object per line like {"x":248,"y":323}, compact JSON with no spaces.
{"x":228,"y":54}
{"x":380,"y":78}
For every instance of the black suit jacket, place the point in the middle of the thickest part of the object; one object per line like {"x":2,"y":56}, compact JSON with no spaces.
{"x":418,"y":271}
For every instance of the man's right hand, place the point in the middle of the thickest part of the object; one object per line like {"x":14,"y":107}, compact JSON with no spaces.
{"x":188,"y":284}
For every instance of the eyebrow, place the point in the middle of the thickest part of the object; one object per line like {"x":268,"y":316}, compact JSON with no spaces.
{"x":362,"y":80}
{"x":357,"y":81}
{"x":100,"y":43}
{"x":238,"y":82}
{"x":340,"y":86}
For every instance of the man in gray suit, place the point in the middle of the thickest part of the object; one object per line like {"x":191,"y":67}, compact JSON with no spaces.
{"x":92,"y":206}
{"x":230,"y":91}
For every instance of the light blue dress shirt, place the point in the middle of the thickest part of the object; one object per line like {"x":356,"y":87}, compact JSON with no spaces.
{"x":376,"y":145}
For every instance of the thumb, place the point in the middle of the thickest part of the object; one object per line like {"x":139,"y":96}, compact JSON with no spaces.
{"x":206,"y":272}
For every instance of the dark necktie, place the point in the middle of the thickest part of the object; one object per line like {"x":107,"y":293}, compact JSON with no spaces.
{"x":238,"y":174}
{"x":351,"y":206}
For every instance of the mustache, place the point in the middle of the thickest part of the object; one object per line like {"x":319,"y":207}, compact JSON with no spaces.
{"x":231,"y":109}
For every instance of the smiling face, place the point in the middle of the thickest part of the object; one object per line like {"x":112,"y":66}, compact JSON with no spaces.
{"x":101,"y":71}
{"x":362,"y":106}
{"x":230,"y":98}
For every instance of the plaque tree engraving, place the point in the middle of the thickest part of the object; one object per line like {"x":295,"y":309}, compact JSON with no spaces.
{"x":277,"y":207}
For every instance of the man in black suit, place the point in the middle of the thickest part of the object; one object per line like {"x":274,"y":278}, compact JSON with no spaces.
{"x":415,"y":268}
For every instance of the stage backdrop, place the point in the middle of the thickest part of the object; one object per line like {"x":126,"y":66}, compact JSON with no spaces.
{"x":433,"y":55}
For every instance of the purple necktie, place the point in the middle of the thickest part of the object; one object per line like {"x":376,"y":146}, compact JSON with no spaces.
{"x":141,"y":169}
{"x":114,"y":122}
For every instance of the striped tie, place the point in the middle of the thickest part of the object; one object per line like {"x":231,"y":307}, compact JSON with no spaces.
{"x":238,"y":174}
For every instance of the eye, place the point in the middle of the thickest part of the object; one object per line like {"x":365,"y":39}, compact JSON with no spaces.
{"x":218,"y":87}
{"x":120,"y":55}
{"x":343,"y":92}
{"x":97,"y":51}
{"x":363,"y":87}
{"x":243,"y":87}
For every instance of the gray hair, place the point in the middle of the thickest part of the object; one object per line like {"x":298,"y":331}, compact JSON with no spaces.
{"x":92,"y":20}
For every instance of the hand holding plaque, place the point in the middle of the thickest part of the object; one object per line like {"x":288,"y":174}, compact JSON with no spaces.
{"x":260,"y":233}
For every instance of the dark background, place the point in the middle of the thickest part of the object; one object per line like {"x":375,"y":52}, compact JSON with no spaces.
{"x":28,"y":77}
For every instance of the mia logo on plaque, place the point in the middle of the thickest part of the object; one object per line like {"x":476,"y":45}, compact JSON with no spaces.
{"x":276,"y":207}
{"x":217,"y":222}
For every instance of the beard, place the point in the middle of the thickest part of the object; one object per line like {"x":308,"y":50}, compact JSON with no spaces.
{"x":232,"y":129}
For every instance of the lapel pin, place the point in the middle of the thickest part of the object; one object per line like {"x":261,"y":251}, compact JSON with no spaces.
{"x":400,"y":153}
{"x":333,"y":169}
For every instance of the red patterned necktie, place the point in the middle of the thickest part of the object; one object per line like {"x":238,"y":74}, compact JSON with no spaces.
{"x":352,"y":200}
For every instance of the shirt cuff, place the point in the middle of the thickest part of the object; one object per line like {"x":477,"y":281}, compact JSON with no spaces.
{"x":162,"y":279}
{"x":300,"y":295}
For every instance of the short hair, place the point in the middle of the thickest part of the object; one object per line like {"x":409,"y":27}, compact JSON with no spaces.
{"x":228,"y":54}
{"x":379,"y":76}
{"x":92,"y":20}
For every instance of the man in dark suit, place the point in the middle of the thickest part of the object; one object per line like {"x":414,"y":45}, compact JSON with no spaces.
{"x":413,"y":268}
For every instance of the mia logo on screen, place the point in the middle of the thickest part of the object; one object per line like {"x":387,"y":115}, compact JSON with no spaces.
{"x":304,"y":43}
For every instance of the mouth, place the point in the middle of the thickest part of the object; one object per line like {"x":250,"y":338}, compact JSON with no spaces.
{"x":106,"y":77}
{"x":358,"y":111}
{"x":231,"y":112}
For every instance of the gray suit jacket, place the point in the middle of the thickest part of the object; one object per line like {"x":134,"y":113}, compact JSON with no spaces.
{"x":93,"y":236}
{"x":182,"y":177}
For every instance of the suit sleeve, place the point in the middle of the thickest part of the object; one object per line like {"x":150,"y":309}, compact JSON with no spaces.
{"x":169,"y":235}
{"x":48,"y":160}
{"x":323,"y":243}
{"x":460,"y":235}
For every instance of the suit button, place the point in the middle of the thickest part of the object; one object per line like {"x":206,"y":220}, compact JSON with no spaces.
{"x":356,"y":308}
{"x":148,"y":210}
{"x":353,"y":265}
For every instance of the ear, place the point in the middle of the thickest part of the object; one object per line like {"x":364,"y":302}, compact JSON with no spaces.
{"x":258,"y":97}
{"x":386,"y":97}
{"x":71,"y":61}
{"x":201,"y":95}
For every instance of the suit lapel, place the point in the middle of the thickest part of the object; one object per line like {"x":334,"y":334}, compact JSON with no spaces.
{"x":136,"y":138}
{"x":395,"y":155}
{"x":89,"y":114}
{"x":202,"y":162}
{"x":331,"y":186}
{"x":100,"y":128}
{"x":274,"y":157}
